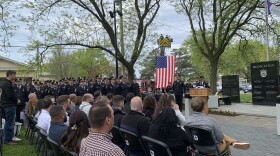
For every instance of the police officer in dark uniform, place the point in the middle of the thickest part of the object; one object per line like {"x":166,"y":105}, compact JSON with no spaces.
{"x":70,"y":89}
{"x":178,"y":89}
{"x":187,"y":87}
{"x":47,"y":87}
{"x":135,"y":87}
{"x":22,"y":95}
{"x":104,"y":84}
{"x":90,"y":86}
{"x":38,"y":90}
{"x":118,"y":85}
{"x":125,"y":86}
{"x":62,"y":86}
{"x":111,"y":87}
{"x":82,"y":89}
{"x":98,"y":85}
{"x":55,"y":91}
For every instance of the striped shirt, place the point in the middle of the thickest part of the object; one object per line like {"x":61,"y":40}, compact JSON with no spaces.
{"x":99,"y":144}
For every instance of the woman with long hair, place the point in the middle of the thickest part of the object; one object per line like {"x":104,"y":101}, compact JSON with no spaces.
{"x":77,"y":130}
{"x":149,"y":104}
{"x":166,"y":129}
{"x":168,"y":100}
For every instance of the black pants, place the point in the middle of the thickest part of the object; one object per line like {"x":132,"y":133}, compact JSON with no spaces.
{"x":178,"y":99}
{"x":18,"y":110}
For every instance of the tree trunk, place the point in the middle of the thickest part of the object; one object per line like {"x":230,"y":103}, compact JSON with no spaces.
{"x":131,"y":72}
{"x":213,"y":75}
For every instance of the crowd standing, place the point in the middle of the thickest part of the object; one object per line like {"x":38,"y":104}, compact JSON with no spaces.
{"x":80,"y":114}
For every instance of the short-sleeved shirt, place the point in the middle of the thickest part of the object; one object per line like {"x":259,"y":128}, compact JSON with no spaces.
{"x":56,"y":131}
{"x":99,"y":144}
{"x":200,"y":120}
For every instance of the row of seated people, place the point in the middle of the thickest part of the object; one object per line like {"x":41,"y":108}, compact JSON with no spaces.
{"x":164,"y":122}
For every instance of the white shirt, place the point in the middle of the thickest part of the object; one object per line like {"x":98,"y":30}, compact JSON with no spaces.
{"x":85,"y":107}
{"x":44,"y":120}
{"x":181,"y":117}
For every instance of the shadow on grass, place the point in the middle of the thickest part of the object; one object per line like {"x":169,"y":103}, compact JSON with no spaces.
{"x":22,"y":149}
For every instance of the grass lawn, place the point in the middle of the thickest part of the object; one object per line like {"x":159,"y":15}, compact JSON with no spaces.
{"x":22,"y":149}
{"x":246,"y":97}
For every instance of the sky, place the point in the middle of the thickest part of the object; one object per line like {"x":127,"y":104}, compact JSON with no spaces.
{"x":170,"y":23}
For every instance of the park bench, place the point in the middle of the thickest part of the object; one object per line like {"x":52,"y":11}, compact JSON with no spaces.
{"x":226,"y":99}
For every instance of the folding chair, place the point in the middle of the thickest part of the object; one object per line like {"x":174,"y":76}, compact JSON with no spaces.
{"x":47,"y":149}
{"x":117,"y":138}
{"x":156,"y":147}
{"x":204,"y":137}
{"x":56,"y":148}
{"x":133,"y":144}
{"x":1,"y":140}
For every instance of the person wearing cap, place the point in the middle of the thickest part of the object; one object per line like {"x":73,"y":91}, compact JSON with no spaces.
{"x":62,"y":86}
{"x":37,"y":90}
{"x":103,"y":86}
{"x":201,"y":83}
{"x":98,"y":84}
{"x":124,"y":86}
{"x":22,"y":95}
{"x":55,"y":91}
{"x":118,"y":85}
{"x":111,"y":87}
{"x":47,"y":87}
{"x":187,"y":87}
{"x":178,"y":89}
{"x":135,"y":87}
{"x":70,"y":89}
{"x":82,"y":89}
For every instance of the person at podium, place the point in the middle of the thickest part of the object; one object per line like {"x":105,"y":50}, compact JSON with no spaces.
{"x":201,"y":83}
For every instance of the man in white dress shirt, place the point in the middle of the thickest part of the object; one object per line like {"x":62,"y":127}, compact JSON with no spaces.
{"x":44,"y":118}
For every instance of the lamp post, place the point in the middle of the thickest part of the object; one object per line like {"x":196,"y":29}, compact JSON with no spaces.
{"x":116,"y":41}
{"x":113,"y":15}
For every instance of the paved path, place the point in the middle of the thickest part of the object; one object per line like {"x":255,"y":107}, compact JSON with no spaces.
{"x":250,"y":109}
{"x":260,"y":132}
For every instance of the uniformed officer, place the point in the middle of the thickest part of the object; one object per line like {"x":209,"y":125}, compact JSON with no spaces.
{"x":70,"y":89}
{"x":187,"y":87}
{"x":118,"y":85}
{"x":135,"y":87}
{"x":38,"y":90}
{"x":62,"y":87}
{"x":22,"y":95}
{"x":98,"y":85}
{"x":82,"y":89}
{"x":47,"y":87}
{"x":178,"y":89}
{"x":55,"y":91}
{"x":124,"y":86}
{"x":112,"y":86}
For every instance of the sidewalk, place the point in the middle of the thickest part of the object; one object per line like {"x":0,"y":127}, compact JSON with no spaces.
{"x":250,"y":109}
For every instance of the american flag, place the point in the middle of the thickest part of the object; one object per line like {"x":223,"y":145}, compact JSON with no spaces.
{"x":165,"y":70}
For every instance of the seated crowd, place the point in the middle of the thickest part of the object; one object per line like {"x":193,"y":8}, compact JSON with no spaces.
{"x":84,"y":124}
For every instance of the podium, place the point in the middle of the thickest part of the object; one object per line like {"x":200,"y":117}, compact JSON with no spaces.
{"x":202,"y":92}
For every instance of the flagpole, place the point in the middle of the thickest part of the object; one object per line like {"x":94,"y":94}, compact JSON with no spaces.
{"x":266,"y":30}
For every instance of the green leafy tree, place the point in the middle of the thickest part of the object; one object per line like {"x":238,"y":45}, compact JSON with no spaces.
{"x":214,"y":24}
{"x":88,"y":23}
